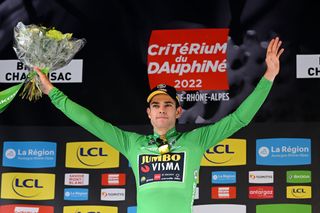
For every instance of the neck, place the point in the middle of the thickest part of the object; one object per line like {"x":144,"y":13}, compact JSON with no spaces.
{"x":162,"y":131}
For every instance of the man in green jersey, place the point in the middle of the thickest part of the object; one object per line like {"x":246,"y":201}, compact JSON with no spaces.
{"x":166,"y":163}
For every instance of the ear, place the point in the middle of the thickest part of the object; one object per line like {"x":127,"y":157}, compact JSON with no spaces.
{"x":148,"y":112}
{"x":178,"y":112}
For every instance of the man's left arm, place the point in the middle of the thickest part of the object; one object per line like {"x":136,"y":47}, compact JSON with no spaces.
{"x":224,"y":128}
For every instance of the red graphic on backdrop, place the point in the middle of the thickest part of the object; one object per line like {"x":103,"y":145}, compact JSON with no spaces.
{"x":113,"y":179}
{"x":26,"y":208}
{"x":223,"y":192}
{"x":261,"y":192}
{"x":192,"y":59}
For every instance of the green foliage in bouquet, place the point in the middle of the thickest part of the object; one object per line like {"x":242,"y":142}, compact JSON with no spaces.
{"x":46,"y":48}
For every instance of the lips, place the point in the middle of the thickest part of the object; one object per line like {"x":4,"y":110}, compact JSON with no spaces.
{"x":162,"y":117}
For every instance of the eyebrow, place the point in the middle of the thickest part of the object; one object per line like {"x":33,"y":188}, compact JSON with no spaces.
{"x":166,"y":102}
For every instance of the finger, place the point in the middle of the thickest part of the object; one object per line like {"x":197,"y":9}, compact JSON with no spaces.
{"x":275,"y":44}
{"x":280,"y":52}
{"x":278,"y":46}
{"x":270,"y":45}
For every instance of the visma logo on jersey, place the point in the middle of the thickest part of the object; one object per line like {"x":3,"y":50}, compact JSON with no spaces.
{"x":29,"y":154}
{"x":27,"y":186}
{"x":299,"y":192}
{"x":229,"y":152}
{"x":283,"y":151}
{"x":91,"y":155}
{"x":90,"y":209}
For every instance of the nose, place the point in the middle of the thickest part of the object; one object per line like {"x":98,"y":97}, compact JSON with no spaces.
{"x":162,"y":110}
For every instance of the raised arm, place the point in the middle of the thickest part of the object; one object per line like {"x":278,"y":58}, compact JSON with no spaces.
{"x":117,"y":138}
{"x":224,"y":128}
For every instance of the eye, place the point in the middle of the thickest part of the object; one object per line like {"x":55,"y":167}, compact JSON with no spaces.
{"x":169,"y":105}
{"x":155,"y":106}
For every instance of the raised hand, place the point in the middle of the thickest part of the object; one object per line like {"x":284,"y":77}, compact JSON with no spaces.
{"x":45,"y":84}
{"x":272,"y":59}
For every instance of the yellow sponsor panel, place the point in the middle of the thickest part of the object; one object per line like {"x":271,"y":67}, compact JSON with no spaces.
{"x":229,"y":152}
{"x":299,"y":192}
{"x":91,"y":209}
{"x":28,"y":186}
{"x":91,"y":155}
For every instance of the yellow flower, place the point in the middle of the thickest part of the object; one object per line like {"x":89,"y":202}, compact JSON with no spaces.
{"x":57,"y":35}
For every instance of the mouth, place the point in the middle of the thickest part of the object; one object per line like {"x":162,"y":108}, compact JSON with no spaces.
{"x":162,"y":117}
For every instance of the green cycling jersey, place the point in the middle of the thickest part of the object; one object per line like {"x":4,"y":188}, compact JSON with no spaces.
{"x":165,"y":183}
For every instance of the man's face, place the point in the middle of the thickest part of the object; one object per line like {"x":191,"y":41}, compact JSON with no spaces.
{"x":163,"y":112}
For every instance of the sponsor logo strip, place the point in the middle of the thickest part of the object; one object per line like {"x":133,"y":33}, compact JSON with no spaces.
{"x":132,"y":209}
{"x":261,"y":192}
{"x":113,"y":179}
{"x":223,"y":192}
{"x":113,"y":194}
{"x":27,"y":186}
{"x":225,"y":208}
{"x":223,"y":177}
{"x":258,"y":177}
{"x":90,"y":209}
{"x":308,"y":66}
{"x":76,"y":179}
{"x":27,"y":154}
{"x":299,"y":176}
{"x":229,"y":152}
{"x":292,"y":208}
{"x":13,"y":71}
{"x":26,"y":208}
{"x":283,"y":151}
{"x":91,"y":155}
{"x":76,"y":194}
{"x":299,"y":192}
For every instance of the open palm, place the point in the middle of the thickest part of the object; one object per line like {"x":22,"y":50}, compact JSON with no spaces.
{"x":272,"y":58}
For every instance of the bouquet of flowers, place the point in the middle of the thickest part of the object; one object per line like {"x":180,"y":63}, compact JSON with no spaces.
{"x":46,"y":48}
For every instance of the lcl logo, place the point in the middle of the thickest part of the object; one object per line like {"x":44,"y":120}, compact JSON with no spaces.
{"x":220,"y":149}
{"x":91,"y":156}
{"x":27,"y":188}
{"x":27,"y":183}
{"x":93,"y":152}
{"x":298,"y":190}
{"x":228,"y":152}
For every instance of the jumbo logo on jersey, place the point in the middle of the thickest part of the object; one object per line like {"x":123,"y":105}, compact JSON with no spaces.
{"x":90,"y":209}
{"x":167,"y":167}
{"x":91,"y":155}
{"x":28,"y":186}
{"x":229,"y":152}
